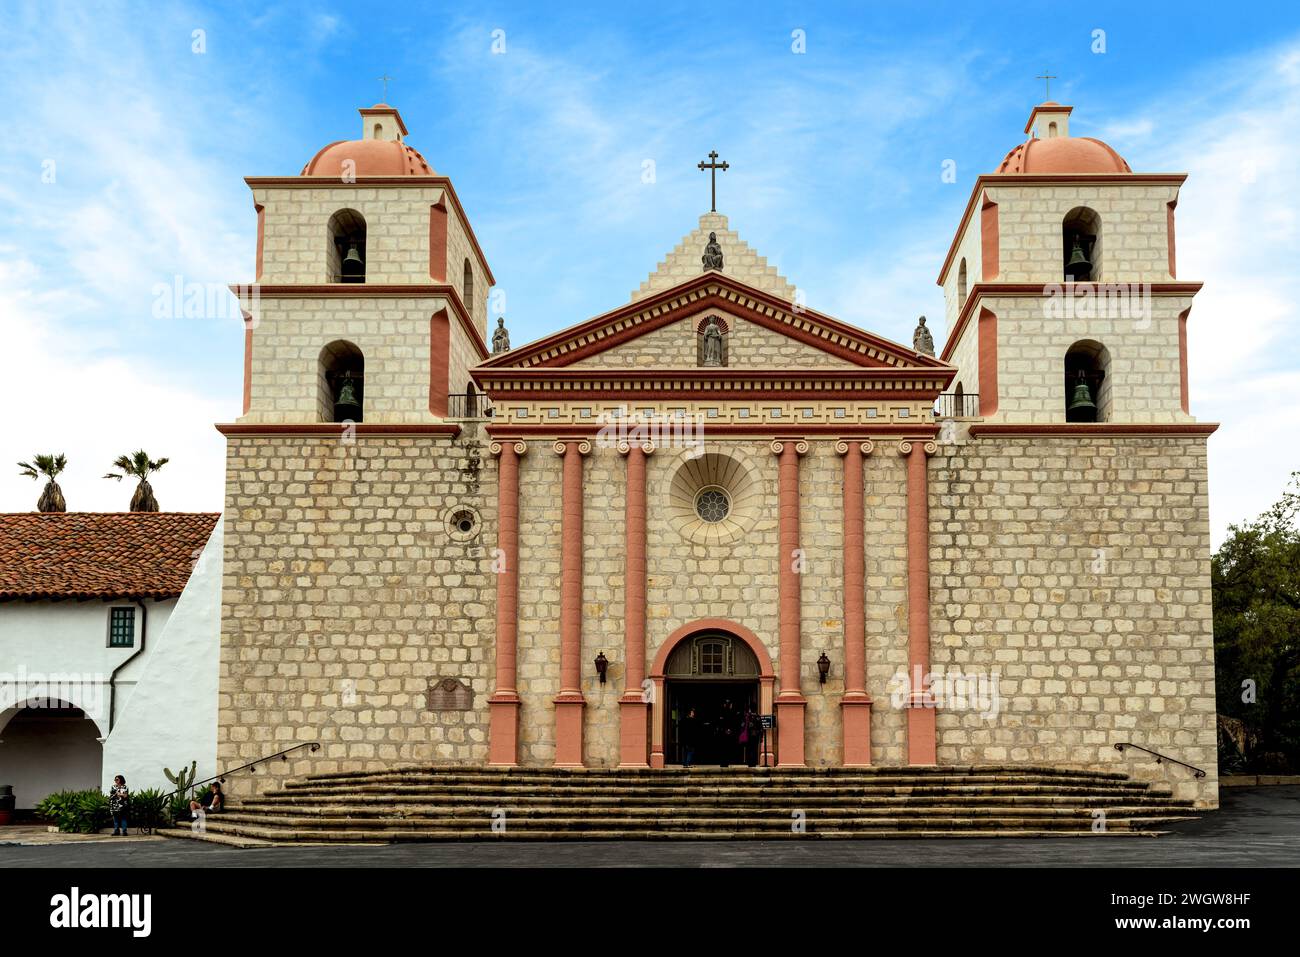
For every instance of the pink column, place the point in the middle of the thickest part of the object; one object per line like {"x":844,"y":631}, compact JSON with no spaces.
{"x":503,"y":706}
{"x":634,"y":708}
{"x":569,"y":703}
{"x":790,"y":703}
{"x":921,"y":745}
{"x":855,"y":706}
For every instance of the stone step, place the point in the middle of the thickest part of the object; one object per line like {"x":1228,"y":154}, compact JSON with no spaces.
{"x":685,"y":792}
{"x":215,"y":837}
{"x":672,"y":774}
{"x":763,"y":800}
{"x":343,"y":816}
{"x":352,"y":836}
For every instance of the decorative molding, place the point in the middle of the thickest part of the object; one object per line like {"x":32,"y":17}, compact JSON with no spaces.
{"x":842,"y":446}
{"x":337,"y":428}
{"x":905,"y":447}
{"x":1037,"y":290}
{"x":800,"y":446}
{"x":520,"y":446}
{"x":1079,"y":430}
{"x":715,"y":290}
{"x":246,"y":292}
{"x":562,"y":446}
{"x":647,"y":448}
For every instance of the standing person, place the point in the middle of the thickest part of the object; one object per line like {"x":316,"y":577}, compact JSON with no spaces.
{"x":726,"y":733}
{"x":748,"y":735}
{"x":687,"y":736}
{"x":119,"y":800}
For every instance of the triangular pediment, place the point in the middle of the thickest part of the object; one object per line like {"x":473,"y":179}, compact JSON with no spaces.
{"x":659,"y":330}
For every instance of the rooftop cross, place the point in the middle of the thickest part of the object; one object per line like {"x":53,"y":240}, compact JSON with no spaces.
{"x":713,"y":166}
{"x":1047,"y":78}
{"x":384,"y":79}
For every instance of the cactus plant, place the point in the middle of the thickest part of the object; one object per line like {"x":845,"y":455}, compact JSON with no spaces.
{"x":182,"y":779}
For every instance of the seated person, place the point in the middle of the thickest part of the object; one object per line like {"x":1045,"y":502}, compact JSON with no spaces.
{"x":213,"y":802}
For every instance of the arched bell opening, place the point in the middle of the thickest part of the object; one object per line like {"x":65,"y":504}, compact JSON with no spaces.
{"x":346,"y":250}
{"x":1087,"y":383}
{"x":341,"y":383}
{"x":1081,"y":245}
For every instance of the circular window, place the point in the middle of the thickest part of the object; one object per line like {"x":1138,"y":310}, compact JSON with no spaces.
{"x":463,"y":523}
{"x":712,"y":504}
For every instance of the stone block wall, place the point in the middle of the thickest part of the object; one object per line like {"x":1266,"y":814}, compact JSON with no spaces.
{"x":1134,"y":229}
{"x":392,"y":334}
{"x":1079,"y":570}
{"x":345,"y":593}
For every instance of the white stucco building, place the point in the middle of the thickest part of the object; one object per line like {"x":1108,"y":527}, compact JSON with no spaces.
{"x":109,"y":646}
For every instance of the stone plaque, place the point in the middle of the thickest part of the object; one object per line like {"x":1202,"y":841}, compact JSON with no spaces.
{"x":450,"y":694}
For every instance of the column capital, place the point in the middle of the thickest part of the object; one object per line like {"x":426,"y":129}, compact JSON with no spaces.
{"x":843,"y":445}
{"x":520,"y":446}
{"x":800,"y":446}
{"x":562,"y":446}
{"x":905,"y":447}
{"x":647,"y":448}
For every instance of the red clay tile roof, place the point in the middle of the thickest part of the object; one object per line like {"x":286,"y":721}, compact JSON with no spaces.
{"x":99,"y":554}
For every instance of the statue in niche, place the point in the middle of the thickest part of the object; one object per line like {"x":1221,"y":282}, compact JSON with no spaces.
{"x":500,"y":338}
{"x":922,"y":341}
{"x":711,"y":352}
{"x":712,"y":257}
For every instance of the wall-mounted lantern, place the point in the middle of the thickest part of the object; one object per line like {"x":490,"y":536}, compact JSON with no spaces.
{"x":823,"y":668}
{"x":602,"y":666}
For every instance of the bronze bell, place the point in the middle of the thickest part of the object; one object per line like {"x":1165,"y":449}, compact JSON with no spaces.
{"x":1078,"y":268}
{"x":353,"y":269}
{"x":1081,"y":407}
{"x":346,"y":406}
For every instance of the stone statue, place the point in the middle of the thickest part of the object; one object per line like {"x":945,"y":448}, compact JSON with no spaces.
{"x":712,"y":257}
{"x":922,"y":341}
{"x":500,"y":338}
{"x":712,"y":344}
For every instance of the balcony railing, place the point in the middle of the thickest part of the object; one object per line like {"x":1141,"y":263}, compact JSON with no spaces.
{"x":468,"y":405}
{"x":957,"y":405}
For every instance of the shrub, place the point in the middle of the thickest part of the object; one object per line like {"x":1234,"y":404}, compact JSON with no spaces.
{"x":148,"y":809}
{"x":76,"y":812}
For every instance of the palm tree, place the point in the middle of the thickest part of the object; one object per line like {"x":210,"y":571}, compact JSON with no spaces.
{"x":138,"y":465}
{"x":50,"y":466}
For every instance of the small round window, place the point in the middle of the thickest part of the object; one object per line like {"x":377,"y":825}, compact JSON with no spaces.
{"x":462,"y":523}
{"x":712,"y":504}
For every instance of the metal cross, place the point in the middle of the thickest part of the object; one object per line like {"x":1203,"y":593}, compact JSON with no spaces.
{"x":385,"y":78}
{"x":1047,"y":78}
{"x":713,"y":166}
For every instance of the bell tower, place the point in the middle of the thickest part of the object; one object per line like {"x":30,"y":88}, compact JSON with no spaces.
{"x":370,"y":302}
{"x":1061,"y":293}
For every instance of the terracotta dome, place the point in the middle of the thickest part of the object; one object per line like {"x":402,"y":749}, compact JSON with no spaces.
{"x":370,"y":158}
{"x":1064,"y":154}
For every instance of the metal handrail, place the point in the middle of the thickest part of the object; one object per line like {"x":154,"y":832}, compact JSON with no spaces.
{"x":1160,"y":758}
{"x":282,"y":755}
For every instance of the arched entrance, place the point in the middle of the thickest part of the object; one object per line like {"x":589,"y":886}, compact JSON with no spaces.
{"x":47,"y":746}
{"x":719,"y":669}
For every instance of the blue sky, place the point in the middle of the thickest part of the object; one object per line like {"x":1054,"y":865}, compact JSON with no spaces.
{"x":835,"y":153}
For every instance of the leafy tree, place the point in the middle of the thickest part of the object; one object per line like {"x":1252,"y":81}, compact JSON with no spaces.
{"x":49,"y":466}
{"x":1256,"y":580}
{"x":138,"y":465}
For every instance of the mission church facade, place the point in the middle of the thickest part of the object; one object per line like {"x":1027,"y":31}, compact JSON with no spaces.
{"x":441,"y":551}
